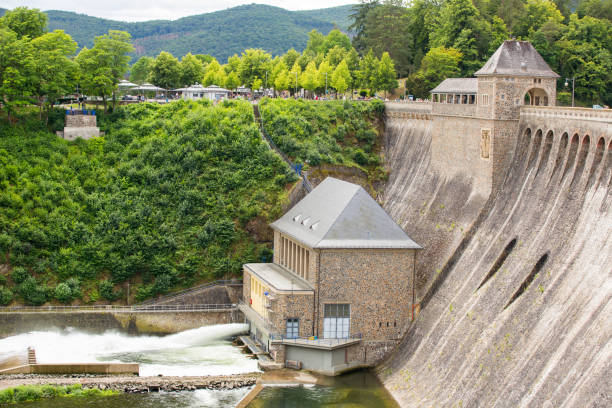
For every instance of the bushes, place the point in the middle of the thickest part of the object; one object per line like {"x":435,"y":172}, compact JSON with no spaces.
{"x":144,"y":203}
{"x":33,"y":293}
{"x":27,"y":393}
{"x":335,"y":132}
{"x":6,"y":296}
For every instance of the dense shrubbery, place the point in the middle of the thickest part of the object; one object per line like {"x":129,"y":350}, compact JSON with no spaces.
{"x":334,"y":132}
{"x":27,"y":393}
{"x":161,"y":201}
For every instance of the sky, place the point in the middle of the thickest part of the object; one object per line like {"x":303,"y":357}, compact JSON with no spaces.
{"x":142,"y":10}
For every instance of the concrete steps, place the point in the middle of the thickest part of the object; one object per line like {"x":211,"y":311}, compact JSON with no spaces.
{"x":31,"y":355}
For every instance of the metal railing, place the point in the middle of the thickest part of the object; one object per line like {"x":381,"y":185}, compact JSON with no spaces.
{"x":119,"y":309}
{"x":194,"y":289}
{"x":315,"y":340}
{"x":297,"y":169}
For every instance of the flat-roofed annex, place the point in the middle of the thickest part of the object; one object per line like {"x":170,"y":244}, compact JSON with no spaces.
{"x":338,"y":214}
{"x":279,"y":279}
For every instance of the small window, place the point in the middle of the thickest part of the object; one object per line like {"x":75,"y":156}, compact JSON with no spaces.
{"x":485,"y":100}
{"x":293,"y":328}
{"x":503,"y":96}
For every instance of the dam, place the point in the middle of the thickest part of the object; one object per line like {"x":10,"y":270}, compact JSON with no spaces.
{"x":514,"y":281}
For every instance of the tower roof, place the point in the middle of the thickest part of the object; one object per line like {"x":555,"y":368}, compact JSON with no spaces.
{"x":338,"y":214}
{"x":517,"y":58}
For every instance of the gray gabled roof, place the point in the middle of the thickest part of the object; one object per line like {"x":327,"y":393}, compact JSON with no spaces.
{"x":457,"y":85}
{"x":517,"y":58}
{"x":338,"y":214}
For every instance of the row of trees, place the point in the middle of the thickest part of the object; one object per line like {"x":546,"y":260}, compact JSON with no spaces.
{"x":40,"y":67}
{"x":328,"y":62}
{"x":430,"y":40}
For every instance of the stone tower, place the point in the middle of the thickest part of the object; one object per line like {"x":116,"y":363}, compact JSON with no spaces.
{"x":514,"y":76}
{"x":476,"y":120}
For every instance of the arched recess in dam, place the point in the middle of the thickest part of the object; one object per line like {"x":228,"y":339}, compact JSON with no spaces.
{"x":535,"y":330}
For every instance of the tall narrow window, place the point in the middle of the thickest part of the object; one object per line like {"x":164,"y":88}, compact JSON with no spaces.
{"x":336,"y":321}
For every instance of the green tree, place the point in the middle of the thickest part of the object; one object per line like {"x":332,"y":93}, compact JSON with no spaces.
{"x":25,"y":22}
{"x":166,"y":71}
{"x":315,"y":41}
{"x":386,"y":74}
{"x":341,"y":78}
{"x":388,"y":29}
{"x":595,"y":8}
{"x":282,"y":82}
{"x":192,"y":70}
{"x":335,"y":38}
{"x":324,"y":74}
{"x":96,"y":77}
{"x":368,"y":71}
{"x":54,"y":72}
{"x":116,"y":45}
{"x":141,"y":70}
{"x":294,"y":77}
{"x":535,"y":14}
{"x":438,"y":64}
{"x":585,"y":52}
{"x":352,"y":61}
{"x":16,"y":60}
{"x":360,"y":23}
{"x":232,"y":81}
{"x":310,"y":78}
{"x":215,"y":75}
{"x":290,"y":57}
{"x":253,"y":64}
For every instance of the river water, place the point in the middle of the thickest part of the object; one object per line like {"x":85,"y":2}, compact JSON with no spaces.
{"x":203,"y":351}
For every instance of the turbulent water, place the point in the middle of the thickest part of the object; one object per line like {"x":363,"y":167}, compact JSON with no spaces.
{"x":202,"y":351}
{"x":520,"y":312}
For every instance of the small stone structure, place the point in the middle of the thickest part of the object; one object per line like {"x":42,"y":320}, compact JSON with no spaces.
{"x":81,"y":123}
{"x":338,"y":293}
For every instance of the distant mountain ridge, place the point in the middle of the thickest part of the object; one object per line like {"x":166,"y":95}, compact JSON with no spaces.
{"x":220,"y":33}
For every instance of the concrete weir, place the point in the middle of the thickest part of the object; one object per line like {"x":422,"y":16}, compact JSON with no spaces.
{"x":167,"y":322}
{"x":515,"y":287}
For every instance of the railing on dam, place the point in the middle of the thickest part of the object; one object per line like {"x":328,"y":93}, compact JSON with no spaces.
{"x":558,"y":112}
{"x":119,"y":309}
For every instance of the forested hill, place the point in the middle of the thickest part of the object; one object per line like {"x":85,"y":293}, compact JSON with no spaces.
{"x":220,"y":34}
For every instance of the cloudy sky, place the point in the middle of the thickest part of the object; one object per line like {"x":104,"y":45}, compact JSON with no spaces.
{"x":141,"y":10}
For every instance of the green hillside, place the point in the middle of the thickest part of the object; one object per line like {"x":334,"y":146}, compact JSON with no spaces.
{"x":220,"y":34}
{"x":171,"y":196}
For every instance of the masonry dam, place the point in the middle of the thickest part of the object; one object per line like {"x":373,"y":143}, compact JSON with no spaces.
{"x":514,"y":283}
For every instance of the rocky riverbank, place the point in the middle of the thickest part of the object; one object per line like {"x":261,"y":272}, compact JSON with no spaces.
{"x":133,"y":384}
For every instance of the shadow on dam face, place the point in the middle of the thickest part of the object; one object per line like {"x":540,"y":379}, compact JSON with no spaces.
{"x":521,"y":312}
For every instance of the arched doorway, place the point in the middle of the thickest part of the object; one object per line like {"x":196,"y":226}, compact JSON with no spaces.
{"x":536,"y":97}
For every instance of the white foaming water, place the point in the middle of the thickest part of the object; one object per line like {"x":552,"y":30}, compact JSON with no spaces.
{"x":202,"y":351}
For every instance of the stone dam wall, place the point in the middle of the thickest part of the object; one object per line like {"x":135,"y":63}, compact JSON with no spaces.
{"x":515,"y":287}
{"x":135,"y":323}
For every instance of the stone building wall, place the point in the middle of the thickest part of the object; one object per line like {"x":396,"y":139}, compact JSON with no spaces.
{"x":298,"y":306}
{"x":380,"y":308}
{"x":81,"y":121}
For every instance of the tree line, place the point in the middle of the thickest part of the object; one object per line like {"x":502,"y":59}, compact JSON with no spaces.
{"x":430,"y":40}
{"x":329,"y":62}
{"x":39,"y":67}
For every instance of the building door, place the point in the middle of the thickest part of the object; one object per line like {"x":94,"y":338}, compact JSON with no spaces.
{"x":293,"y":328}
{"x":336,"y":321}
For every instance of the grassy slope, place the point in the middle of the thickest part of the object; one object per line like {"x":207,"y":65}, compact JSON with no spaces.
{"x":221,"y":33}
{"x":324,"y":136}
{"x":171,"y":196}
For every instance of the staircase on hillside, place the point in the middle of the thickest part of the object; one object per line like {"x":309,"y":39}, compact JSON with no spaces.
{"x":296,"y":168}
